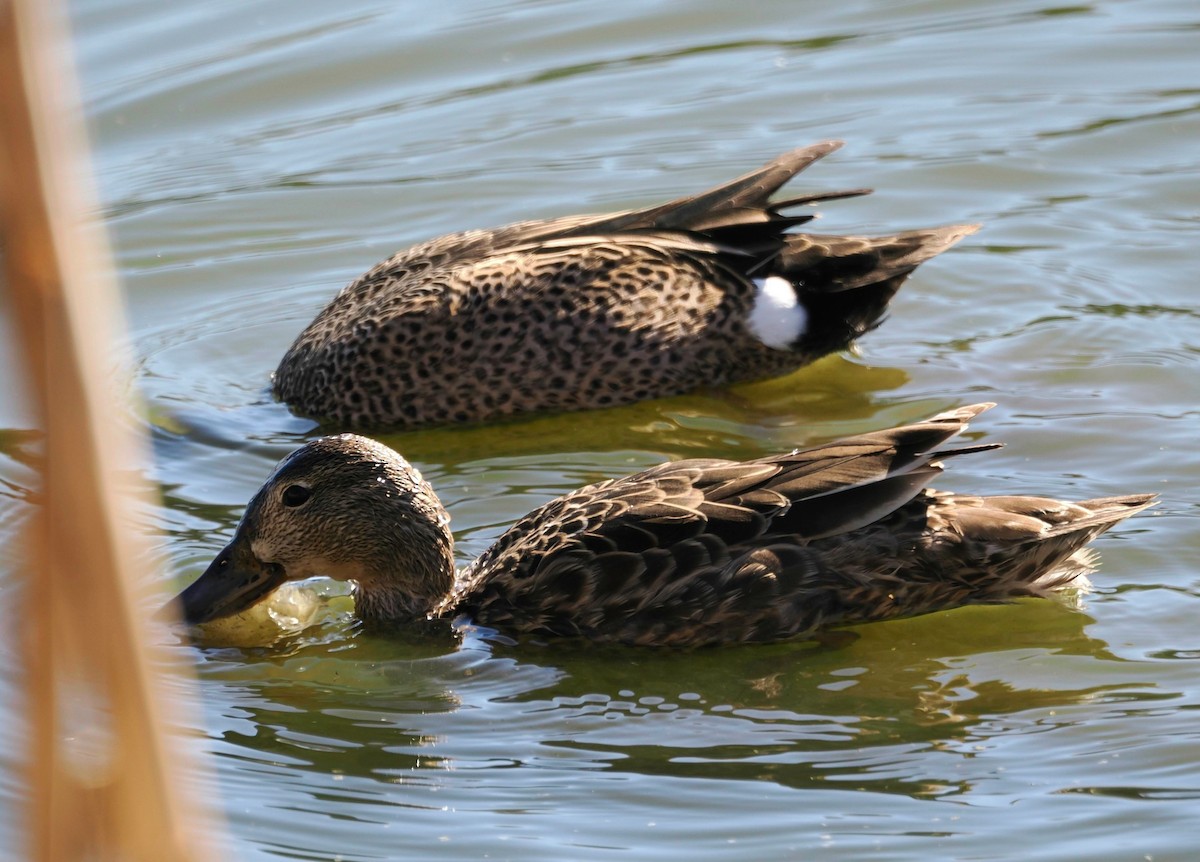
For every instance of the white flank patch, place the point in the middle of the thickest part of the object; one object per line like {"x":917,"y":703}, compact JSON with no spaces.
{"x":777,"y":319}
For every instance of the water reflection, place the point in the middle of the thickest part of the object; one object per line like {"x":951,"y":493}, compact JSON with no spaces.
{"x":838,"y":395}
{"x":893,"y":708}
{"x":315,"y":146}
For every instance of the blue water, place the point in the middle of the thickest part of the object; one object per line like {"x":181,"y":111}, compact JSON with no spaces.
{"x":253,"y":158}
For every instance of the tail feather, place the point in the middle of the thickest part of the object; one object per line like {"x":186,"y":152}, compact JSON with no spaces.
{"x":1038,"y":545}
{"x":749,"y":191}
{"x":834,"y":264}
{"x":1103,"y":513}
{"x":846,"y":283}
{"x":740,"y":202}
{"x":818,"y":198}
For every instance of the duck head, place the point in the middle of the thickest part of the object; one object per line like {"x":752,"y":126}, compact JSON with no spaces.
{"x":342,"y":507}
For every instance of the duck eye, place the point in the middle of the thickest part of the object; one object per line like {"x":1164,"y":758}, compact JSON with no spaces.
{"x":296,"y":495}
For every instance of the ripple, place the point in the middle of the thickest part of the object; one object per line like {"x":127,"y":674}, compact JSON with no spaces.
{"x":255,"y":158}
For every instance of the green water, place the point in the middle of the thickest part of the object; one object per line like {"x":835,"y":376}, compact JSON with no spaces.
{"x":254,"y":157}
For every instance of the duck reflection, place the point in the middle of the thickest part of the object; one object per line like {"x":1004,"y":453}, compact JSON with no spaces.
{"x":893,"y":708}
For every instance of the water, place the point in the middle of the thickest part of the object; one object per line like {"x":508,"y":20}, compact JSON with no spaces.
{"x":254,"y":157}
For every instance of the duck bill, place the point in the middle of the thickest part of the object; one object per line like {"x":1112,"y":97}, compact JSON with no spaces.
{"x":234,"y":581}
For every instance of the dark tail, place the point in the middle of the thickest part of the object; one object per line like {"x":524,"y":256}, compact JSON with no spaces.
{"x":846,"y":283}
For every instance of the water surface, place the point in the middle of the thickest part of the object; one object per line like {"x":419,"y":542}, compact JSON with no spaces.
{"x":255,"y":157}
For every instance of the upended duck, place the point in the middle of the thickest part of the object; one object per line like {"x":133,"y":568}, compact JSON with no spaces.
{"x":688,"y":553}
{"x":597,"y":310}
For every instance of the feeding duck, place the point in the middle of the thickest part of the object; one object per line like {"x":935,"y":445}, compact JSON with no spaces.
{"x":597,"y":310}
{"x":688,"y":553}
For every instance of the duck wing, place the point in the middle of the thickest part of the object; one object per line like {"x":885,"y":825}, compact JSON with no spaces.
{"x":726,"y":210}
{"x":668,"y":555}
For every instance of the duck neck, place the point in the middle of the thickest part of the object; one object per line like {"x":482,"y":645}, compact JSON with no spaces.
{"x":411,"y":593}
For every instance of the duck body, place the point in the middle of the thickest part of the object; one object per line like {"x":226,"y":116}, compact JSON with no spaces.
{"x":592,"y":311}
{"x":689,"y":553}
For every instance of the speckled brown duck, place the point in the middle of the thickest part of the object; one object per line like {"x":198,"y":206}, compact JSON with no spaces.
{"x":687,"y":553}
{"x":597,"y":310}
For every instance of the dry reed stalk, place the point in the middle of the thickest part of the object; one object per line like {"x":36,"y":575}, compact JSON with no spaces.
{"x":105,"y":781}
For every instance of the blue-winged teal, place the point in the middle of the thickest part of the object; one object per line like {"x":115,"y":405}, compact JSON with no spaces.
{"x":683,"y":554}
{"x":591,"y":311}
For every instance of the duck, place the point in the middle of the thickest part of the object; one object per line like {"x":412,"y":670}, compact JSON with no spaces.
{"x":592,"y":311}
{"x":689,"y":553}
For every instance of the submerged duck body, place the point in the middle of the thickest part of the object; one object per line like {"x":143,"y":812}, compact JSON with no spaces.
{"x":592,"y":311}
{"x":689,"y":553}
